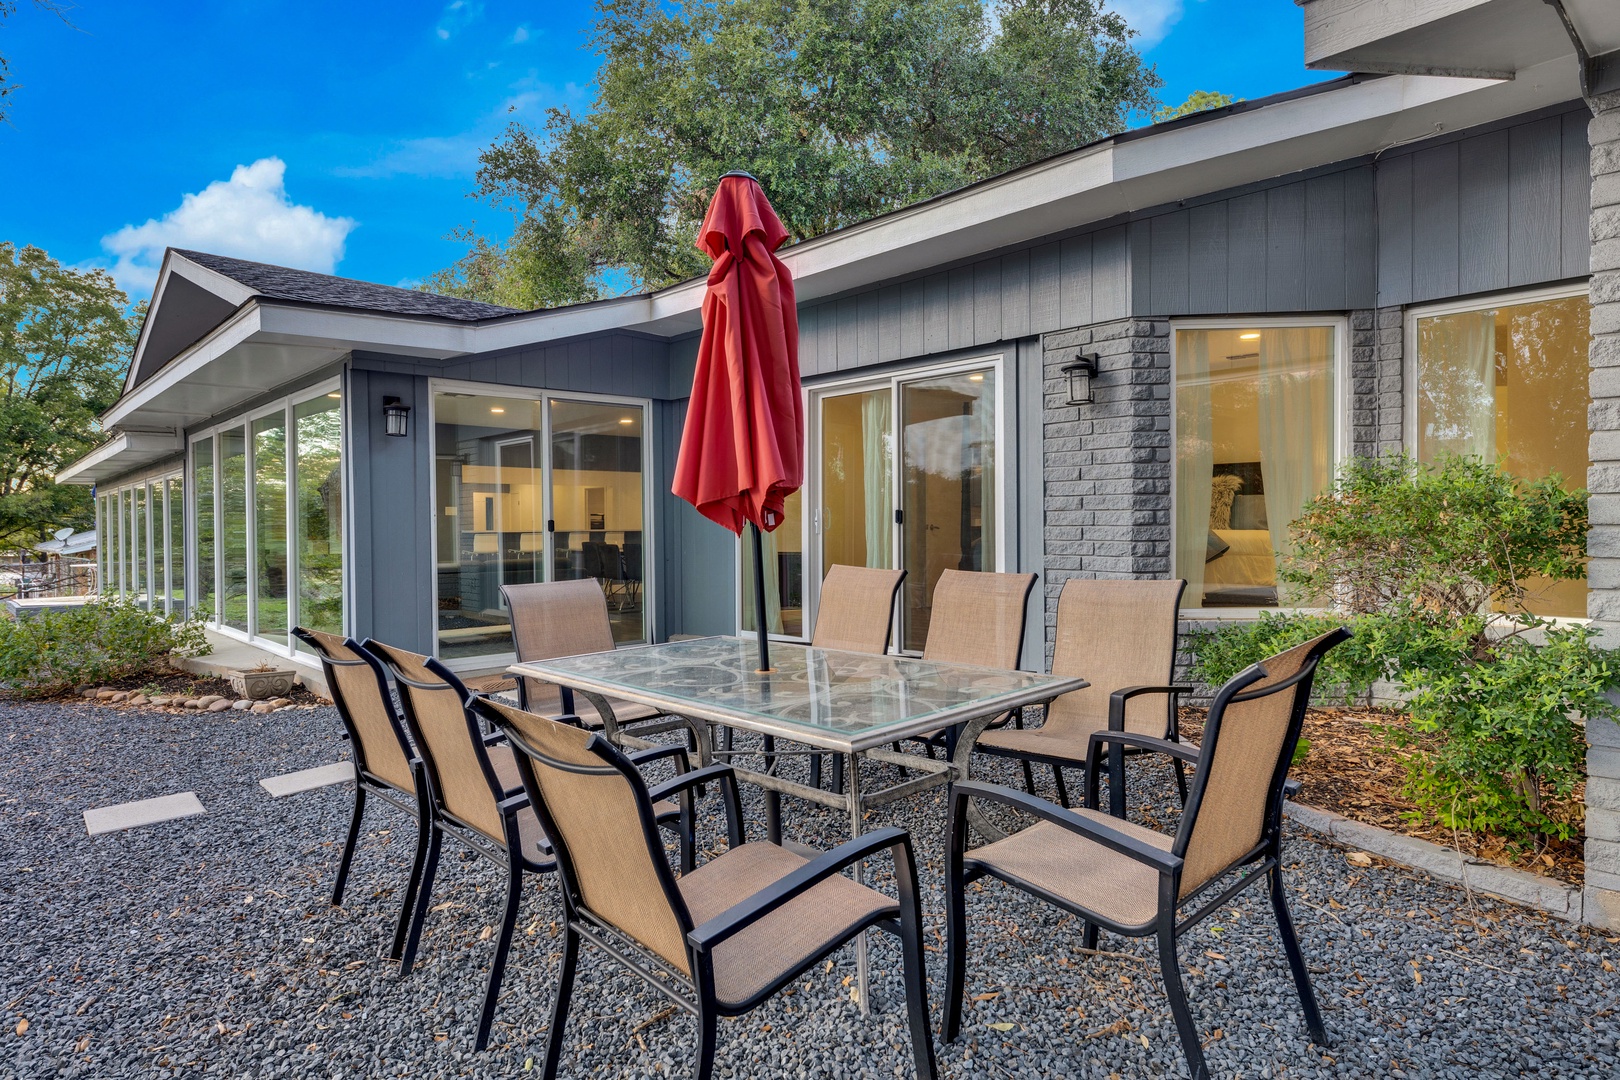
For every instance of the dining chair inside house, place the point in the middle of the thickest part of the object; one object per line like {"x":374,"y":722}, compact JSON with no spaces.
{"x":386,"y":766}
{"x":1120,"y":636}
{"x":1128,"y":879}
{"x":718,"y":940}
{"x":478,"y":800}
{"x":977,"y":618}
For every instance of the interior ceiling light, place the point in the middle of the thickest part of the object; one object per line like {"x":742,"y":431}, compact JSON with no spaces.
{"x":627,"y":420}
{"x":975,"y":378}
{"x":1253,"y":335}
{"x":496,"y":409}
{"x":334,"y":394}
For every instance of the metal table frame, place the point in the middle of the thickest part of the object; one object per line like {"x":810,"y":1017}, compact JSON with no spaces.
{"x":706,"y":719}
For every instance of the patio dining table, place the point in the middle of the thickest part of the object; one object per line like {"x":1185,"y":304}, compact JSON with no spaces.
{"x":823,"y":700}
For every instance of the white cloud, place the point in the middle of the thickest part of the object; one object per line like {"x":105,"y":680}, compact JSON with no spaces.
{"x":439,"y":156}
{"x":248,"y":216}
{"x":520,"y":35}
{"x":1151,"y":19}
{"x":457,"y":15}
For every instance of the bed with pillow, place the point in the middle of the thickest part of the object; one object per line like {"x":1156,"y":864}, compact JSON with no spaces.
{"x":1240,"y":566}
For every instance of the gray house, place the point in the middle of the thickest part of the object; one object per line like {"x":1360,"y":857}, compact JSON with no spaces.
{"x":1424,"y":255}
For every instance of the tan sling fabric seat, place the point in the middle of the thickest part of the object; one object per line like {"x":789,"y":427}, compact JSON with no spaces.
{"x":856,"y":610}
{"x":782,"y":940}
{"x":978,"y":618}
{"x":1087,"y":874}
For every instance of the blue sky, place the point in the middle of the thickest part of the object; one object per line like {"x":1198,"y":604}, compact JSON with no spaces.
{"x":343,"y":137}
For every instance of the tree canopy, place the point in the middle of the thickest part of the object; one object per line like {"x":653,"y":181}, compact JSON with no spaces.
{"x":65,"y":343}
{"x":844,"y":110}
{"x":1198,"y":101}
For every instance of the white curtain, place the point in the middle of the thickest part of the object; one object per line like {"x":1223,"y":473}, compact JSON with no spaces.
{"x":1195,"y":460}
{"x":1296,"y":424}
{"x":877,"y":440}
{"x":1457,"y":385}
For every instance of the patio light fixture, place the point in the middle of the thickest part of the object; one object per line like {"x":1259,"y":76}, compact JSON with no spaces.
{"x":1080,"y":373}
{"x":396,"y":417}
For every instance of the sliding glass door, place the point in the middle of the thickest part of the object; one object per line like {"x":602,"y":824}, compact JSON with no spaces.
{"x":535,"y":489}
{"x":903,"y":475}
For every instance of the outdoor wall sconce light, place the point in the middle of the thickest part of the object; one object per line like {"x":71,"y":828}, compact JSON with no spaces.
{"x":396,"y":417}
{"x":1080,"y":373}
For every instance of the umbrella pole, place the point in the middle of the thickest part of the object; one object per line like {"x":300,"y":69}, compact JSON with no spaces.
{"x":759,"y":600}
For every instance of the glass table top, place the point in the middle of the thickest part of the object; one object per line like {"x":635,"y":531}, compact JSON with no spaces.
{"x":841,"y":700}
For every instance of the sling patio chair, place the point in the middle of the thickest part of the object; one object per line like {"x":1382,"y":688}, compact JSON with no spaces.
{"x":386,"y":767}
{"x":477,"y":798}
{"x":570,"y":618}
{"x":854,"y":613}
{"x":1120,"y":636}
{"x":977,"y":618}
{"x":723,"y":938}
{"x":1131,"y":880}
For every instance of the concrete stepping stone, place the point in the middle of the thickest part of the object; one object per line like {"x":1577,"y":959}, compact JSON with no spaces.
{"x":279,"y":787}
{"x":130,"y":815}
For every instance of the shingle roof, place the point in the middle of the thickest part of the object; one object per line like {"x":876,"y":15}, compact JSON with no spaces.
{"x":282,"y":283}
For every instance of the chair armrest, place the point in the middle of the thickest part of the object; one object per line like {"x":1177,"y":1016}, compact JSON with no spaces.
{"x":1141,"y":742}
{"x":513,"y":803}
{"x":719,"y":774}
{"x":494,"y":738}
{"x":1117,"y":700}
{"x":1108,"y":837}
{"x":745,"y":913}
{"x":1291,"y":788}
{"x":683,"y":761}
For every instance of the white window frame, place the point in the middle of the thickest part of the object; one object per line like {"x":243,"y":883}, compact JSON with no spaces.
{"x":810,"y":498}
{"x":545,"y":397}
{"x":283,"y":645}
{"x":1342,"y":433}
{"x":1410,"y":359}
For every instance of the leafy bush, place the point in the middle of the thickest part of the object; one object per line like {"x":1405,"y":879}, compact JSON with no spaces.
{"x":1432,"y":566}
{"x":49,"y":652}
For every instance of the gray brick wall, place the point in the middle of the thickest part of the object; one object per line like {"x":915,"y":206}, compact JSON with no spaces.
{"x":1107,"y":465}
{"x":1602,"y":899}
{"x":1377,"y":374}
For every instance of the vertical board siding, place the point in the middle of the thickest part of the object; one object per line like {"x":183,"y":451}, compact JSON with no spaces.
{"x":1434,"y":220}
{"x":1285,"y":248}
{"x":1044,"y":277}
{"x":961,"y":308}
{"x":1482,"y":213}
{"x":1535,"y":217}
{"x":1325,"y":233}
{"x":1075,"y":300}
{"x":1110,"y":276}
{"x":1245,"y":253}
{"x":1170,"y":255}
{"x":1576,"y":176}
{"x":1015,"y":295}
{"x":1360,"y":238}
{"x":1394,"y":230}
{"x":1206,"y":257}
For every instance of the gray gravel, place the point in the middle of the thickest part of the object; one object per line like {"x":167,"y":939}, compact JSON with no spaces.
{"x":206,"y":947}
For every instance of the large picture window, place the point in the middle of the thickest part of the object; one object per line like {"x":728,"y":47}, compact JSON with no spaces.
{"x":1256,"y":438}
{"x":1509,"y":382}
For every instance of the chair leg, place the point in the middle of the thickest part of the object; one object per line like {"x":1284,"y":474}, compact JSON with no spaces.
{"x":914,"y":969}
{"x":424,"y":892}
{"x":1296,"y":960}
{"x":1062,"y":792}
{"x":1181,"y":780}
{"x":708,"y":1036}
{"x":349,"y":845}
{"x":503,"y":945}
{"x":559,"y":1008}
{"x":955,"y":950}
{"x":1088,"y":937}
{"x":1029,"y":777}
{"x":424,"y":828}
{"x":1170,"y":968}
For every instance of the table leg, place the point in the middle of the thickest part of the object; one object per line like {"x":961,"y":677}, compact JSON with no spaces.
{"x":773,"y":800}
{"x":852,"y":792}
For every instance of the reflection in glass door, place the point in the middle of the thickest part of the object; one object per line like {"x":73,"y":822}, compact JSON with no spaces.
{"x":598,"y":527}
{"x":906,"y":475}
{"x":948,"y":436}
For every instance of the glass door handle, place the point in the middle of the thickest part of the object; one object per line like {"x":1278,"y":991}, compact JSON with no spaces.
{"x":899,"y":517}
{"x":551,"y":525}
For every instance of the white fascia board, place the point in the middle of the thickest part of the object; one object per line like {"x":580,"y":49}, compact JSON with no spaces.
{"x":229,"y":334}
{"x":533,"y":328}
{"x":123,"y":452}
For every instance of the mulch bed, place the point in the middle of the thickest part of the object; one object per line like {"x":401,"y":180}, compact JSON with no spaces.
{"x":184,"y":683}
{"x":1351,"y":769}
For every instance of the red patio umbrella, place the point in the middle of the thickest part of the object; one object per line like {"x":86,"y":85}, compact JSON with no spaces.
{"x":742,"y":453}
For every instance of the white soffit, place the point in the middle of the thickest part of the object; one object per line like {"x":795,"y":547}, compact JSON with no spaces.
{"x":1483,"y":38}
{"x":120,"y":454}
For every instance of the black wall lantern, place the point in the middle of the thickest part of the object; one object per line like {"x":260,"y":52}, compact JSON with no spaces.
{"x":396,"y":417}
{"x":1080,"y":373}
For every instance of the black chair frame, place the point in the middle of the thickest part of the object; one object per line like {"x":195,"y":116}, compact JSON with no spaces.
{"x":695,"y":994}
{"x":1263,"y":860}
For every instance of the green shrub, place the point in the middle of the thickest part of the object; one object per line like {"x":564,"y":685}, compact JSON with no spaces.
{"x":1431,"y":567}
{"x":49,"y":652}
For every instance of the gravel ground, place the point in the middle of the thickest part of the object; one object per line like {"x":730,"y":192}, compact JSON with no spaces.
{"x":206,"y":946}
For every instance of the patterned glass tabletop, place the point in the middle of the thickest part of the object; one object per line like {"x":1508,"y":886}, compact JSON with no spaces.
{"x":822,"y":697}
